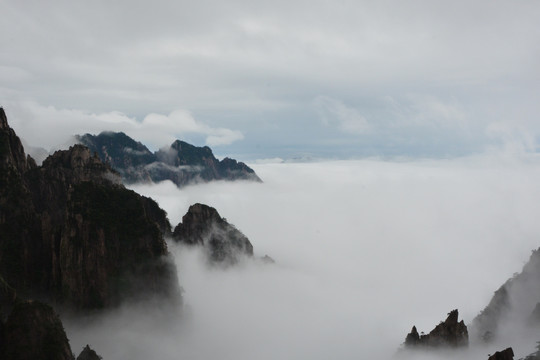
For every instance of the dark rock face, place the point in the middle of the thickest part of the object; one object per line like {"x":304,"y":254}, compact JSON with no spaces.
{"x":506,"y":354}
{"x":515,"y":300}
{"x":123,"y":153}
{"x":71,"y":234}
{"x":88,"y":354}
{"x":182,"y":163}
{"x":34,"y":331}
{"x":450,"y":333}
{"x":203,"y":226}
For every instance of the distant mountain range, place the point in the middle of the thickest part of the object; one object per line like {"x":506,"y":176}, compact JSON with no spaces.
{"x":181,"y":163}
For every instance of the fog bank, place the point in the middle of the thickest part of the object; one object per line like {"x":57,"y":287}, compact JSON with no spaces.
{"x":364,"y":250}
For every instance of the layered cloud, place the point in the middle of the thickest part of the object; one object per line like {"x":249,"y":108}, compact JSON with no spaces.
{"x":259,"y":68}
{"x":50,"y":127}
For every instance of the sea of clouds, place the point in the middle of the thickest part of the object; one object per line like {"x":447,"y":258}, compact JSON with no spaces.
{"x":364,"y":250}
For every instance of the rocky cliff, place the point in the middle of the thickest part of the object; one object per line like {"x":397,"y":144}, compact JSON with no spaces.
{"x":72,"y":235}
{"x":515,"y":302}
{"x":34,"y":331}
{"x":203,"y":226}
{"x":506,"y":354}
{"x":182,"y":163}
{"x":450,"y":333}
{"x":88,"y":354}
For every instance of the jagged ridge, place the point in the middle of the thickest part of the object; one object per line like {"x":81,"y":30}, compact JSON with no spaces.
{"x":449,"y":333}
{"x":182,"y":163}
{"x":517,"y":301}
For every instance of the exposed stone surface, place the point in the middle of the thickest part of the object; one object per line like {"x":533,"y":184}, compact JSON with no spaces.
{"x":202,"y":225}
{"x":449,"y":333}
{"x":34,"y":331}
{"x":88,"y":354}
{"x":182,"y":163}
{"x":506,"y":354}
{"x":71,"y":234}
{"x":514,"y":301}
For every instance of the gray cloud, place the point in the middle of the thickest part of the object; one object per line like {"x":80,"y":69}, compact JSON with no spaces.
{"x":48,"y":127}
{"x":364,"y":250}
{"x":257,"y":67}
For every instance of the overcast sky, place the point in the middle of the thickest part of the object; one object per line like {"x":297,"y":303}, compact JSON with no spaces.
{"x":264,"y":79}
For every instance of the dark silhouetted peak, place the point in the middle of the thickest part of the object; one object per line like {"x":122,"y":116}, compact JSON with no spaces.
{"x":117,"y":148}
{"x":3,"y":119}
{"x":13,"y":159}
{"x":34,"y":331}
{"x":181,"y":153}
{"x":181,"y":163}
{"x":449,"y":333}
{"x":514,"y":301}
{"x":413,"y":338}
{"x":232,"y":169}
{"x":202,"y":225}
{"x":88,"y":354}
{"x":506,"y":354}
{"x":127,"y":156}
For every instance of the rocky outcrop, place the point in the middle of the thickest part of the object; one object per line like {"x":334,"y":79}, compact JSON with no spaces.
{"x":72,"y":235}
{"x":514,"y":301}
{"x":88,"y":354}
{"x":506,"y":354}
{"x":450,"y":334}
{"x":203,"y":226}
{"x":122,"y":153}
{"x":34,"y":331}
{"x":181,"y":163}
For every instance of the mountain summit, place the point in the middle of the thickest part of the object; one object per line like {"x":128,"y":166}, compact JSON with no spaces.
{"x":181,"y":163}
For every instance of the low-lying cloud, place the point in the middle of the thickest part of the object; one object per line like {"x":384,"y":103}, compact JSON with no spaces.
{"x":363,"y":250}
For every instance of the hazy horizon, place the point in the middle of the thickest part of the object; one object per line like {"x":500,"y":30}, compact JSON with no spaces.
{"x":288,"y":79}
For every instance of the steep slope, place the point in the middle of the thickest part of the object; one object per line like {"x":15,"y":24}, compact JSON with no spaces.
{"x":34,"y":331}
{"x":203,"y":226}
{"x":182,"y":163}
{"x":124,"y":154}
{"x":71,"y":234}
{"x":514,"y":305}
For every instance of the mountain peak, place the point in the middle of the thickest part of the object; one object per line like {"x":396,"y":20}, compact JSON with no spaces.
{"x":202,"y":225}
{"x":181,"y":162}
{"x":3,"y":119}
